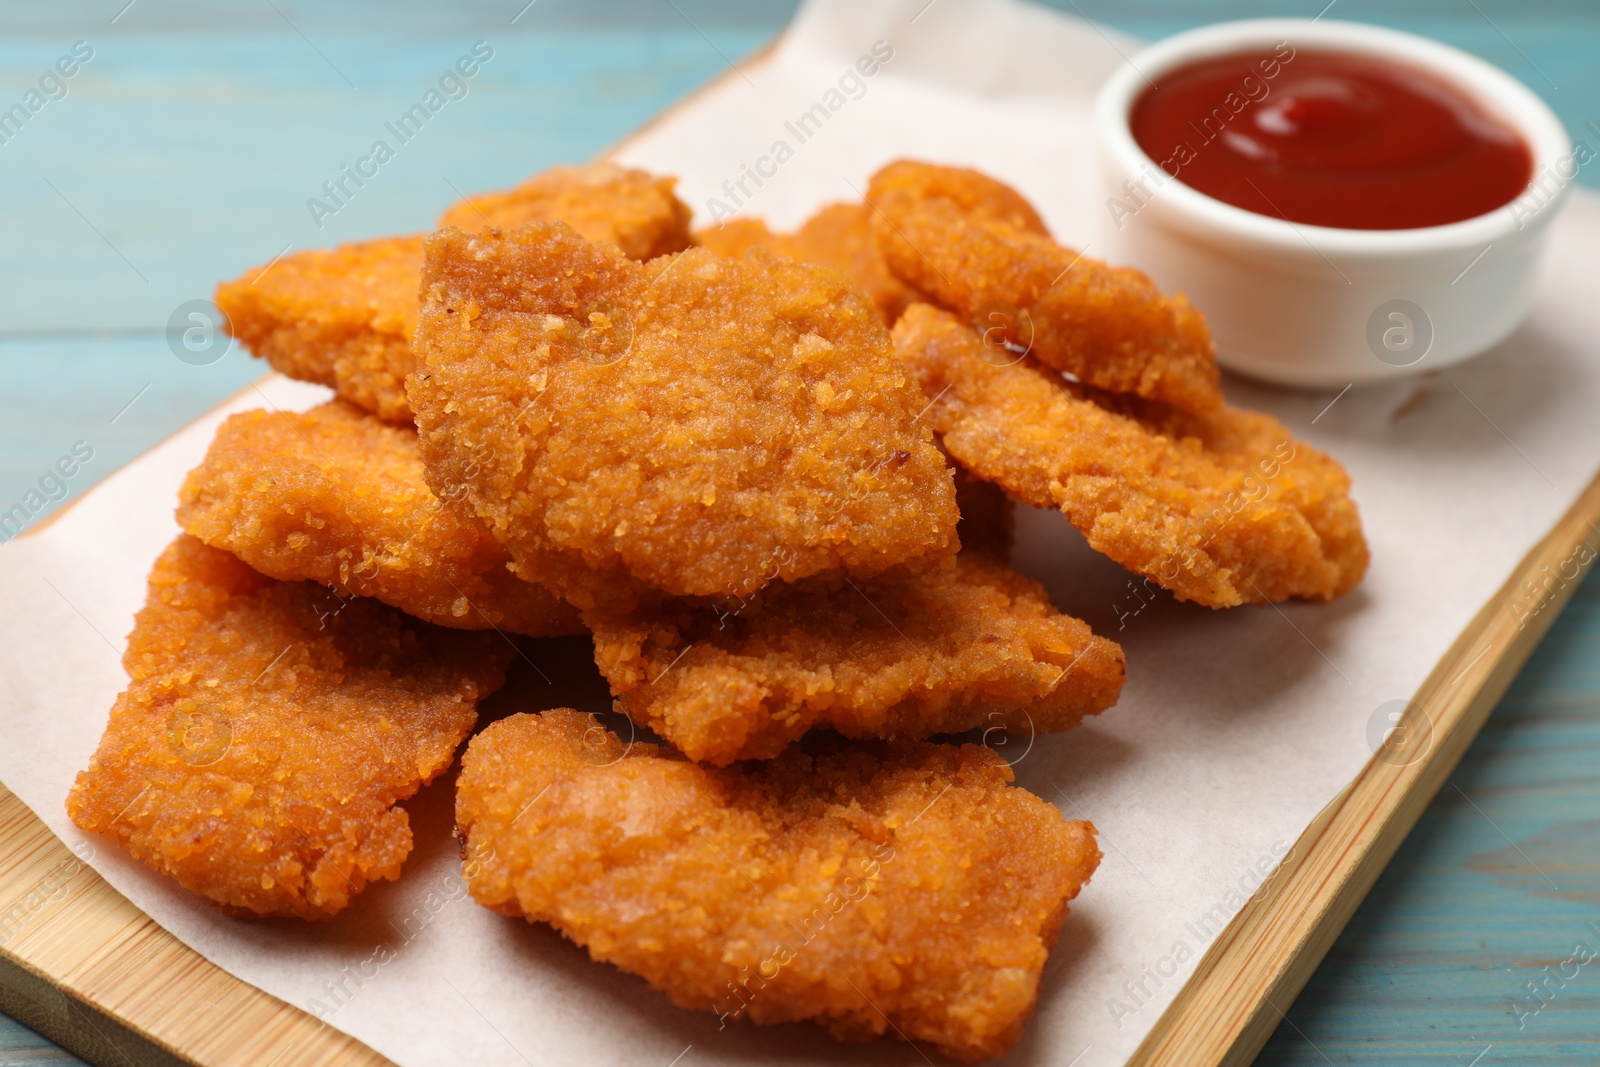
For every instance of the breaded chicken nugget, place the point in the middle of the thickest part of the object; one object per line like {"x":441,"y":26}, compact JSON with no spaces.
{"x":1224,"y":508}
{"x":344,"y":317}
{"x":973,"y":194}
{"x":875,"y":888}
{"x":340,"y":317}
{"x":737,"y":236}
{"x":268,"y":730}
{"x":333,"y":495}
{"x":839,"y":235}
{"x":902,"y":655}
{"x":1259,"y":444}
{"x":696,"y":424}
{"x":976,"y":248}
{"x":633,"y":209}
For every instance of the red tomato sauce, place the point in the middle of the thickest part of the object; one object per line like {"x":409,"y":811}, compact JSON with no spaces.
{"x":1331,"y":139}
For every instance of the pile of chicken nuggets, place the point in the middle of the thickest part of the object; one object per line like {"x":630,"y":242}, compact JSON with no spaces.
{"x":771,"y":475}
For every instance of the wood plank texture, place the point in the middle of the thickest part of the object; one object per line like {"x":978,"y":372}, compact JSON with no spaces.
{"x":1436,"y":965}
{"x":81,"y":964}
{"x":1229,"y":1008}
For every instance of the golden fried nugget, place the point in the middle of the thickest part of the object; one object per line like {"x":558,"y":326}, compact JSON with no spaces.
{"x":332,"y":495}
{"x":1222,"y":509}
{"x":268,"y":730}
{"x":632,"y":209}
{"x":696,"y":424}
{"x":340,"y":317}
{"x":973,"y":194}
{"x":839,"y":235}
{"x":875,"y":888}
{"x":1318,"y":487}
{"x":344,"y":317}
{"x":902,"y":655}
{"x":976,"y":248}
{"x":737,"y":236}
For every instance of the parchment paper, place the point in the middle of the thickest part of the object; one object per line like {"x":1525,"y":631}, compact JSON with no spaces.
{"x":1235,"y":727}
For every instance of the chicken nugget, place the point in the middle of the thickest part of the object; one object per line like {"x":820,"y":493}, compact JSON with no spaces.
{"x":333,"y":495}
{"x":268,"y":731}
{"x":737,"y":236}
{"x":1224,"y":508}
{"x":971,"y":193}
{"x":1260,"y":445}
{"x":340,"y":317}
{"x":975,"y":247}
{"x":872,"y":887}
{"x":633,"y":209}
{"x":900,"y":656}
{"x":696,"y":425}
{"x":839,"y":235}
{"x":344,"y":317}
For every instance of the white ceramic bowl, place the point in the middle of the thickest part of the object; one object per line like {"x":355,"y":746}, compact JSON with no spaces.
{"x":1315,"y":305}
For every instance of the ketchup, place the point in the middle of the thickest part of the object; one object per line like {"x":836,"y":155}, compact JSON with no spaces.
{"x":1331,"y":139}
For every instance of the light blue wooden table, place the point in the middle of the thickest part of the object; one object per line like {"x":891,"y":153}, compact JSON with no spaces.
{"x":185,"y":149}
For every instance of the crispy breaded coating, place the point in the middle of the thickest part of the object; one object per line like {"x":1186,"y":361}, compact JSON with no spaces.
{"x":697,"y":425}
{"x":268,"y":731}
{"x":340,"y":317}
{"x":1318,"y":487}
{"x":333,"y":495}
{"x":839,"y":235}
{"x":737,"y":236}
{"x":633,"y":209}
{"x":1222,"y":509}
{"x":344,"y":317}
{"x":971,"y":193}
{"x":905,"y":656}
{"x":900,"y":888}
{"x":975,"y":247}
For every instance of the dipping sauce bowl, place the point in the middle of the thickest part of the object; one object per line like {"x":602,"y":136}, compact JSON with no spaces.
{"x":1376,"y":211}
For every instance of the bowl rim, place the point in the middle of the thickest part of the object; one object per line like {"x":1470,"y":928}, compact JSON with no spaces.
{"x":1488,"y":85}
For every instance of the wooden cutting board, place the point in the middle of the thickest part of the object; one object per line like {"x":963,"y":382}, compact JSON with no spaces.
{"x":83,"y":966}
{"x":86,"y":968}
